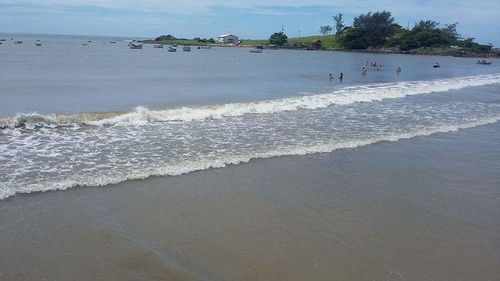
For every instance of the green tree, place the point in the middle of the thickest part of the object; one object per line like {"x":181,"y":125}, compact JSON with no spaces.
{"x":377,"y":26}
{"x":339,"y":23}
{"x":165,"y":38}
{"x":278,"y":39}
{"x":408,"y":42}
{"x":354,"y":38}
{"x":450,"y":31}
{"x":425,"y":25}
{"x":431,"y":39}
{"x":325,"y":29}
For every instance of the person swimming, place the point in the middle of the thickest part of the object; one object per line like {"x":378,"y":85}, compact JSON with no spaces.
{"x":341,"y":76}
{"x":398,"y":70}
{"x":436,"y":65}
{"x":331,"y":77}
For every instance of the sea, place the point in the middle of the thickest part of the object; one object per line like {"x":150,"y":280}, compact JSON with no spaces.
{"x":88,"y":111}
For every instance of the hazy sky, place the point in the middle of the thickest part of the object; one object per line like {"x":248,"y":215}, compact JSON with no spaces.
{"x":248,"y":19}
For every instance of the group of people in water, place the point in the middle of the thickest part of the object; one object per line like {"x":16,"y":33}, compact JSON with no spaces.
{"x":376,"y":66}
{"x":341,"y":76}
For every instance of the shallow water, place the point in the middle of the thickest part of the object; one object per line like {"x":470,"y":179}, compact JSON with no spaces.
{"x":73,"y":115}
{"x":424,"y":208}
{"x":409,"y":192}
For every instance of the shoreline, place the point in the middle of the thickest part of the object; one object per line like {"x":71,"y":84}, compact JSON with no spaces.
{"x":345,"y":214}
{"x":444,"y":53}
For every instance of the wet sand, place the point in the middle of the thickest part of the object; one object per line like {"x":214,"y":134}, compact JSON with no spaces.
{"x":421,"y":209}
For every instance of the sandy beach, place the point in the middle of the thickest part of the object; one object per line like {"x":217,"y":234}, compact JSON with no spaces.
{"x":419,"y":209}
{"x":163,"y":141}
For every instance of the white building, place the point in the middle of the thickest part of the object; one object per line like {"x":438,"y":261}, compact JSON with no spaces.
{"x":227,"y":39}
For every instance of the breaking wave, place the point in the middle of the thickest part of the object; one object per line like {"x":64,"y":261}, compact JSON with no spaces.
{"x":344,"y":96}
{"x":7,"y":190}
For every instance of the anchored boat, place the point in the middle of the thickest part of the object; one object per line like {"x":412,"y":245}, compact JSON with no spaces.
{"x":135,"y":45}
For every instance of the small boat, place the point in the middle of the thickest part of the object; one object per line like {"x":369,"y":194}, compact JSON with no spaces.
{"x":18,"y":42}
{"x":89,"y":41}
{"x":172,"y":49}
{"x":135,"y":46}
{"x":174,"y":45}
{"x":186,"y":49}
{"x":112,"y":42}
{"x":436,"y":65}
{"x":206,"y":47}
{"x":84,"y":44}
{"x":258,"y":51}
{"x":3,"y":40}
{"x":159,"y":46}
{"x":38,"y":44}
{"x":484,"y":62}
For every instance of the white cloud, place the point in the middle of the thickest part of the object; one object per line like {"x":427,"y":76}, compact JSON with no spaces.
{"x":476,"y":17}
{"x":482,"y":10}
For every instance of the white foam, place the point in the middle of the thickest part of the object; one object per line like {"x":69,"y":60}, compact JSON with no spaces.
{"x":345,"y":96}
{"x":10,"y":188}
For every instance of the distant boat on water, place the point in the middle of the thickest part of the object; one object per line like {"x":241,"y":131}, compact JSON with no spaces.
{"x":38,"y":44}
{"x":172,"y":49}
{"x":84,"y":44}
{"x":256,"y":50}
{"x":135,"y":45}
{"x":18,"y":42}
{"x":2,"y":40}
{"x":186,"y":49}
{"x":158,"y":46}
{"x":484,"y":62}
{"x":112,"y":42}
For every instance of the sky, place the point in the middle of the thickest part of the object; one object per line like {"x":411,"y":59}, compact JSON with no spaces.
{"x":249,"y":19}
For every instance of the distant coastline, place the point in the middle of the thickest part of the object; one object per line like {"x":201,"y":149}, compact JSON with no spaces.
{"x":373,"y":32}
{"x":306,"y":43}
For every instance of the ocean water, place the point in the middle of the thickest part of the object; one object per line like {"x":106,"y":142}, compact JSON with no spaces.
{"x":74,"y":115}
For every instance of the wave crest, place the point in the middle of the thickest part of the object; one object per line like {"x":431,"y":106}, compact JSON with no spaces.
{"x":8,"y":190}
{"x":344,"y":96}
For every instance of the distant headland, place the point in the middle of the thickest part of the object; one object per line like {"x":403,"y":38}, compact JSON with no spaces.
{"x":371,"y":32}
